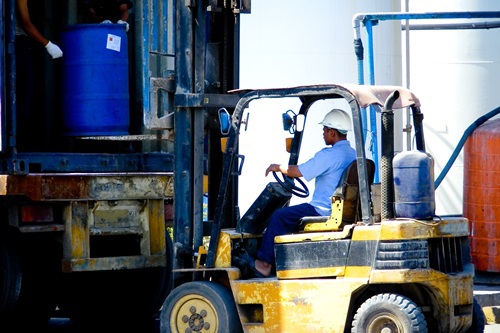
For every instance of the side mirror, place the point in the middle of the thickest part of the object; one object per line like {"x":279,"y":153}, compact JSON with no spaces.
{"x":224,"y":121}
{"x":288,"y":121}
{"x":293,"y":122}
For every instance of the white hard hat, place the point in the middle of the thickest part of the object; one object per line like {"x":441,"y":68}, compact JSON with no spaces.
{"x":337,"y":119}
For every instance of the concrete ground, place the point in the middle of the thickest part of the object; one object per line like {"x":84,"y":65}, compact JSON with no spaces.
{"x":492,"y":328}
{"x":488,"y":296}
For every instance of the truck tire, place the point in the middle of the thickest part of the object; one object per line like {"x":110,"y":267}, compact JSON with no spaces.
{"x":27,"y":283}
{"x":478,"y":319}
{"x":133,"y":296}
{"x":200,"y":306}
{"x":393,"y":312}
{"x":10,"y":276}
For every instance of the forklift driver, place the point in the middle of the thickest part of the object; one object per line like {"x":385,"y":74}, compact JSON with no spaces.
{"x":326,"y":167}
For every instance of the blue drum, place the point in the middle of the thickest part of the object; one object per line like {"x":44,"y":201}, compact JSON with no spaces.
{"x":95,"y":80}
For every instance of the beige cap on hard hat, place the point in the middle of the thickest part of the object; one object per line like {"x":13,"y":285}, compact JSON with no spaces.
{"x":338,"y":119}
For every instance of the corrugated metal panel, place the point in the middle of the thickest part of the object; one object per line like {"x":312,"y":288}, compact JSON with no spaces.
{"x":156,"y":29}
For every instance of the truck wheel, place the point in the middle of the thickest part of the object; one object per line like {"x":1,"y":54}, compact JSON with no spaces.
{"x":10,"y":276}
{"x":200,"y":306}
{"x":478,"y":320}
{"x":389,"y":313}
{"x":25,"y":284}
{"x":134,"y":295}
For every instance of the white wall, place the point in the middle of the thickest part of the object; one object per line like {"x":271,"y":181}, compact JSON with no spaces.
{"x":290,"y":43}
{"x":455,"y":73}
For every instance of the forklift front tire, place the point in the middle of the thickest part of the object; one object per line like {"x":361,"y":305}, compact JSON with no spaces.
{"x":200,"y":306}
{"x":392,"y":312}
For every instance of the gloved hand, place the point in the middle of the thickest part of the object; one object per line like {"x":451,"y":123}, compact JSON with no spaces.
{"x":53,"y":50}
{"x":123,"y":22}
{"x":106,"y":22}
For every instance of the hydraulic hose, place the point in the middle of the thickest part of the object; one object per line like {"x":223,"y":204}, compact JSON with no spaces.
{"x":479,"y":121}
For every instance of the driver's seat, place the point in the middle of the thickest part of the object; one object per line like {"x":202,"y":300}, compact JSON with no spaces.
{"x":346,"y":207}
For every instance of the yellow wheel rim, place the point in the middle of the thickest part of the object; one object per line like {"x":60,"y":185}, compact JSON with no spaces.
{"x":386,"y":323}
{"x":194,"y":313}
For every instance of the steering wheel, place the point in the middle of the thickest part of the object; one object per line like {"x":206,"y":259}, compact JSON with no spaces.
{"x":301,"y":192}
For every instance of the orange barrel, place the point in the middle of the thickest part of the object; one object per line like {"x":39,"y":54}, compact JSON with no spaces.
{"x":482,"y":195}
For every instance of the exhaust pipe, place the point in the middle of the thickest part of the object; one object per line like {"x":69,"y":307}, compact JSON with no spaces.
{"x":386,"y":176}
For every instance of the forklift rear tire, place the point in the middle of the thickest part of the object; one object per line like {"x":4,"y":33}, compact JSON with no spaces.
{"x":392,"y":312}
{"x":200,"y":306}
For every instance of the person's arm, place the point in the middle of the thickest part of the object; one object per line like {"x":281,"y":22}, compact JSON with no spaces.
{"x":124,"y":12}
{"x":124,"y":15}
{"x":288,"y":170}
{"x":28,"y":26}
{"x":92,"y":15}
{"x":32,"y":31}
{"x":89,"y":11}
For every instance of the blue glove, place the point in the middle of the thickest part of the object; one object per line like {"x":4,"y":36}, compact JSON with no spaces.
{"x":106,"y":22}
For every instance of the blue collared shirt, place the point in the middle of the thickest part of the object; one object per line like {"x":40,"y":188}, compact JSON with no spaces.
{"x":327,"y":167}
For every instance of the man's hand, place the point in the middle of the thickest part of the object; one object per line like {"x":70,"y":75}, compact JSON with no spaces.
{"x":289,"y":170}
{"x":273,"y":167}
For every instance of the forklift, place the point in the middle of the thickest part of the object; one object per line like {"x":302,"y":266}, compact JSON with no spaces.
{"x":368,"y":267}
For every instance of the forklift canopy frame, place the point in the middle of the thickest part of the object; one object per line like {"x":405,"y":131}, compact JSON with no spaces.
{"x":357,"y":96}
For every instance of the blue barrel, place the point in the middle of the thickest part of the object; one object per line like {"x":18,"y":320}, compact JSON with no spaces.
{"x":95,"y":80}
{"x":414,"y":185}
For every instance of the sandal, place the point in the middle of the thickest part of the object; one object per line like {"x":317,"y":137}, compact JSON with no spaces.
{"x":250,"y":263}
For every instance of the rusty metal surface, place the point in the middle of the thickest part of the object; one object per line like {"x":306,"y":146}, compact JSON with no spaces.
{"x":41,"y":187}
{"x":87,"y":221}
{"x":109,"y":217}
{"x":302,"y":305}
{"x":401,"y":228}
{"x":112,"y":263}
{"x":41,"y":228}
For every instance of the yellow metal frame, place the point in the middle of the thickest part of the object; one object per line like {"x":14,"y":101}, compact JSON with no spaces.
{"x":291,"y":303}
{"x":334,"y":222}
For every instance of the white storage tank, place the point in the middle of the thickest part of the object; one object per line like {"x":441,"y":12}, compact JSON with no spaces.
{"x":456,"y":74}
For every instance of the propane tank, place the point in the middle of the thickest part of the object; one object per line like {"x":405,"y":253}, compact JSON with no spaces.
{"x":413,"y":173}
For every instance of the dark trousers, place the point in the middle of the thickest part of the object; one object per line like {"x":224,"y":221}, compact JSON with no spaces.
{"x":283,"y":221}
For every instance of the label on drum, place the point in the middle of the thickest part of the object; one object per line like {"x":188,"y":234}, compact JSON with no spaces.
{"x":114,"y":42}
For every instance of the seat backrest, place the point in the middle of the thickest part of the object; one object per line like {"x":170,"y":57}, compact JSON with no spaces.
{"x":345,"y":201}
{"x":348,"y":190}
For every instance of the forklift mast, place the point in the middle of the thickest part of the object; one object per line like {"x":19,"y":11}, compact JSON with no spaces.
{"x":207,"y":61}
{"x":90,"y":209}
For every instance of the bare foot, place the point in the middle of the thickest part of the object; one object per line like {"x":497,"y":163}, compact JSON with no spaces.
{"x":263,"y":267}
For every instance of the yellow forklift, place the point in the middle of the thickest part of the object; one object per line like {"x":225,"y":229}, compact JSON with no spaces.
{"x":381,"y":262}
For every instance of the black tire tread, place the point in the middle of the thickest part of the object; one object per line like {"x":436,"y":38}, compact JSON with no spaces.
{"x":406,"y":307}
